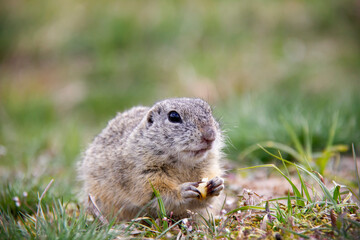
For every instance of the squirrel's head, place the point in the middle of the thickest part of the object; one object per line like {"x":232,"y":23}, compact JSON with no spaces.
{"x":183,"y":128}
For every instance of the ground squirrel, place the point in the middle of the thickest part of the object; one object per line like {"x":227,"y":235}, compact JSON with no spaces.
{"x":173,"y":145}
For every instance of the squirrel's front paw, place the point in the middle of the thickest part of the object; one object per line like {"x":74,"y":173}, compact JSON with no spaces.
{"x":189,"y":190}
{"x":214,"y":186}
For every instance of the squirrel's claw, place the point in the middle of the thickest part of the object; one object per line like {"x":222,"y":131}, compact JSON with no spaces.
{"x":189,"y":190}
{"x":215,"y":186}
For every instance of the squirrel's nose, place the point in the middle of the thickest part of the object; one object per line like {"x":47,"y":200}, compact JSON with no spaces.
{"x":208,"y":134}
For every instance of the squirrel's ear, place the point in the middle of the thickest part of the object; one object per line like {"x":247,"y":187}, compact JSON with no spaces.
{"x":150,"y":118}
{"x":152,"y":115}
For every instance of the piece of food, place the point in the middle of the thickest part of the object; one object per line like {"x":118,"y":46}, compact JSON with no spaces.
{"x":202,"y":188}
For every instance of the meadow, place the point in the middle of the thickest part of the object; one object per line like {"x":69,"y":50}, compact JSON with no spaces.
{"x":282,"y":77}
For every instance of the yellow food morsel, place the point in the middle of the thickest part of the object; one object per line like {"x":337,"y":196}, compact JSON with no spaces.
{"x":202,"y":188}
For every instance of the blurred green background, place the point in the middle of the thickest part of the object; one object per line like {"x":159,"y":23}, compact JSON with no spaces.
{"x":67,"y":67}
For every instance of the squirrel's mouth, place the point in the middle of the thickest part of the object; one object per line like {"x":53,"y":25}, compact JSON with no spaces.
{"x":201,"y":151}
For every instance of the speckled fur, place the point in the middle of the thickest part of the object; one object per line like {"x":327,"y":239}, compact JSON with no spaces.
{"x":140,"y":146}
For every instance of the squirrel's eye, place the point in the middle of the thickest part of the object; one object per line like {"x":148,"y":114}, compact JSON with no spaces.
{"x":174,"y":117}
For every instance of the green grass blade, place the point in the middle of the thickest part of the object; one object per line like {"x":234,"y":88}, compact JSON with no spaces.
{"x":346,"y":205}
{"x":162,"y":209}
{"x":209,"y":223}
{"x":326,"y":192}
{"x":303,"y":186}
{"x":295,"y":139}
{"x":152,"y":222}
{"x":285,"y":167}
{"x":293,"y":232}
{"x":168,"y":229}
{"x":295,"y":189}
{"x":336,"y":194}
{"x":26,"y":226}
{"x":353,"y":193}
{"x":248,"y":208}
{"x":356,"y":169}
{"x":308,"y":143}
{"x":137,"y":215}
{"x":280,"y":214}
{"x":273,"y":145}
{"x":289,"y":206}
{"x":285,"y":198}
{"x":267,"y":207}
{"x":332,"y":130}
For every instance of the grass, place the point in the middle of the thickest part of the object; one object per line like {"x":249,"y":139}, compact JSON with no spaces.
{"x":312,"y":210}
{"x":276,"y":119}
{"x":58,"y":221}
{"x":330,"y":213}
{"x":302,"y":152}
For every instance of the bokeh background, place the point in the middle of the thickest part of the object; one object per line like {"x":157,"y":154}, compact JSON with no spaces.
{"x":67,"y":67}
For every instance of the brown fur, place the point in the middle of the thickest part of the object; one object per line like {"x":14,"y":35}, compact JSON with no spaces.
{"x":141,"y":146}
